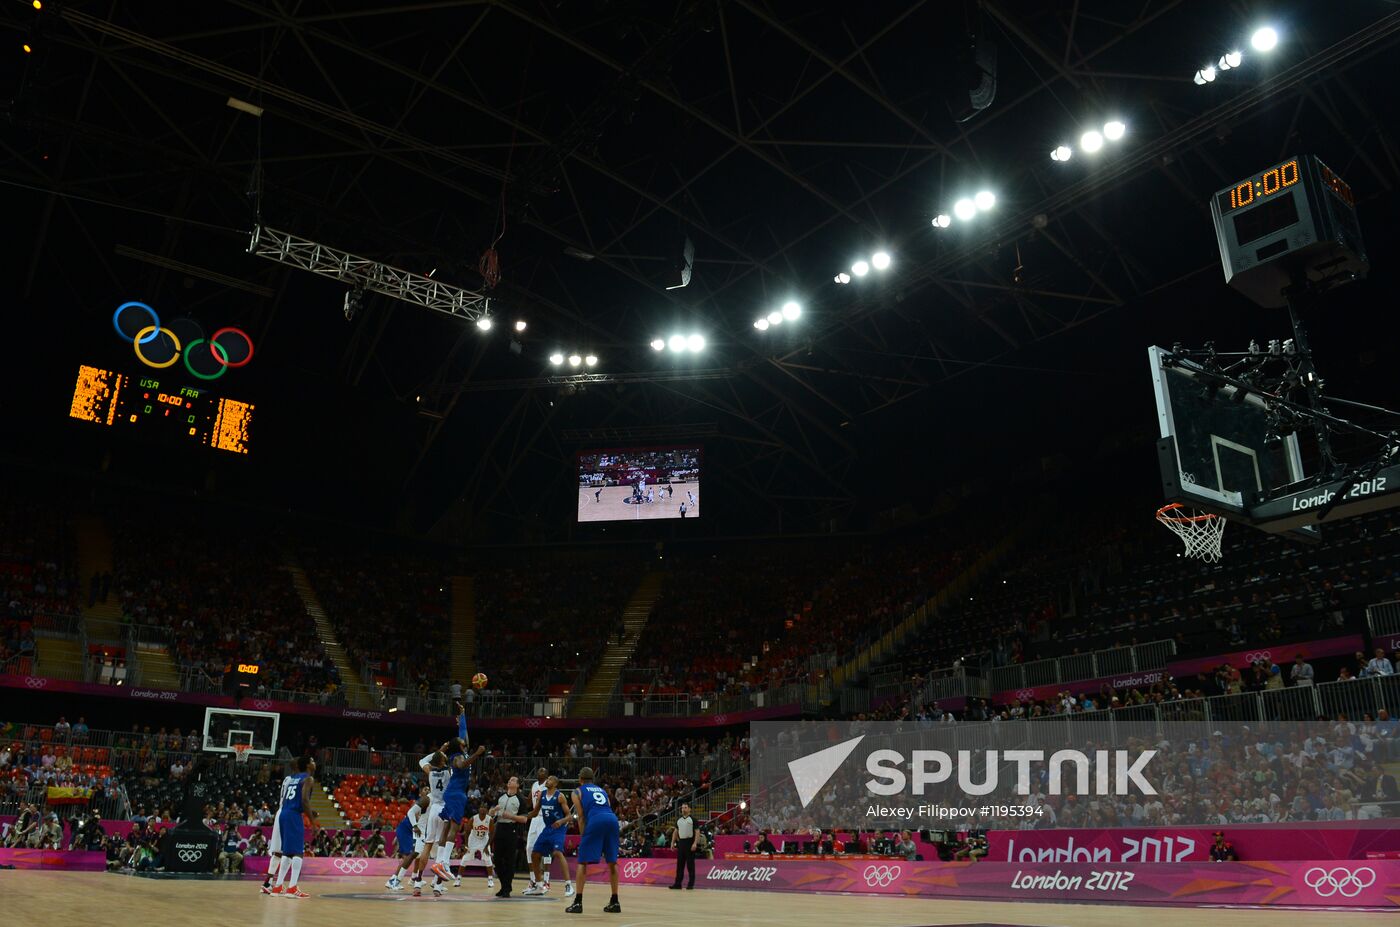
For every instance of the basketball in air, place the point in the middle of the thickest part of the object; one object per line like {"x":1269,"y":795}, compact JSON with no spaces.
{"x":479,"y":681}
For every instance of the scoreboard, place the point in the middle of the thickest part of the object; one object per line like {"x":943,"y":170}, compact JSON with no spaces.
{"x":167,"y":409}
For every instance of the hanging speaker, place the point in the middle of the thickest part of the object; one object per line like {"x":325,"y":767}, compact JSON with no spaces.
{"x":683,"y":261}
{"x":974,"y":84}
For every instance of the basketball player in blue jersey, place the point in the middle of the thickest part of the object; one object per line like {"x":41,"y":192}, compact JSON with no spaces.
{"x":448,"y":762}
{"x":408,"y":842}
{"x":296,"y":800}
{"x":454,"y":801}
{"x":598,"y":832}
{"x":552,"y":810}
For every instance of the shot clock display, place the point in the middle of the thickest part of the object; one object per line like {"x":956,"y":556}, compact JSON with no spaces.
{"x":1293,"y":223}
{"x":187,"y":413}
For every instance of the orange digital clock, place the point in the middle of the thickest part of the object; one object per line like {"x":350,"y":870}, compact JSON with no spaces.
{"x":1266,"y":184}
{"x":249,"y":669}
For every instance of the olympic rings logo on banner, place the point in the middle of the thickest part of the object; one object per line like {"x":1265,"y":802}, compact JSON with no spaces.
{"x":532,"y":722}
{"x":881,"y":876}
{"x":634,"y":868}
{"x":190,"y":856}
{"x":351,"y":866}
{"x":217,"y":349}
{"x":261,"y":704}
{"x":35,"y":682}
{"x":1339,"y":881}
{"x":1258,"y":655}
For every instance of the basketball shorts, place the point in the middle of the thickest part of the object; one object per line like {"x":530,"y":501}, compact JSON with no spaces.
{"x":533,"y":834}
{"x":435,"y":830}
{"x":293,"y":833}
{"x":477,"y":853}
{"x":549,"y":840}
{"x":404,"y":839}
{"x":599,"y":839}
{"x":454,"y":807}
{"x":274,"y":844}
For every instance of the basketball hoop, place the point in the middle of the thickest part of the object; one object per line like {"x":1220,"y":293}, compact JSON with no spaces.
{"x":241,"y":752}
{"x":1201,"y":532}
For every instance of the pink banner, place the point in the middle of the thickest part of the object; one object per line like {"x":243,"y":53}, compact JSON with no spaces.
{"x":1341,"y":840}
{"x":1320,"y":883}
{"x":1282,"y":654}
{"x":45,"y":684}
{"x":73,"y":860}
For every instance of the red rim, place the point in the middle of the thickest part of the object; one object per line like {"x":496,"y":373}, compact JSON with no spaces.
{"x":1166,"y":513}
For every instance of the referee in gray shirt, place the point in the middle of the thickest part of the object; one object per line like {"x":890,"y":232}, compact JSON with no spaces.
{"x":683,"y":839}
{"x":510,"y":830}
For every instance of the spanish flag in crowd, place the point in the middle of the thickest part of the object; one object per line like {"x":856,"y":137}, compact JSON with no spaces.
{"x":69,"y":795}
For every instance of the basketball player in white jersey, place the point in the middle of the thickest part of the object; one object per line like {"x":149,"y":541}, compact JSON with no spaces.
{"x":481,"y":829}
{"x":274,"y":849}
{"x":536,"y":823}
{"x":437,"y":771}
{"x":692,"y":499}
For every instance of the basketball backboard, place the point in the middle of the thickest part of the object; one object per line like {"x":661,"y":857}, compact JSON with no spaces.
{"x":226,"y":728}
{"x":1218,"y":445}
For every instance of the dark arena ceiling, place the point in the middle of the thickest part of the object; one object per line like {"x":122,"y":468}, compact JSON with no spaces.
{"x":587,"y":139}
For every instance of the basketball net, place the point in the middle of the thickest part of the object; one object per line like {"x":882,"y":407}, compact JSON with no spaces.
{"x":1201,"y":532}
{"x":241,"y":752}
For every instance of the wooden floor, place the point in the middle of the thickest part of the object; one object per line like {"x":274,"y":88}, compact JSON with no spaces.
{"x":100,"y":899}
{"x":609,"y":504}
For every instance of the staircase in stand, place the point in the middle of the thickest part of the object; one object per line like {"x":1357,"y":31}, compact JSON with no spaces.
{"x":102,"y":620}
{"x":357,"y":694}
{"x":463,"y":629}
{"x":593,"y":701}
{"x":327,"y":811}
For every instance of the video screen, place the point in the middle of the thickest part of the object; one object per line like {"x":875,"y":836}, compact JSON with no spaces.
{"x":639,"y":484}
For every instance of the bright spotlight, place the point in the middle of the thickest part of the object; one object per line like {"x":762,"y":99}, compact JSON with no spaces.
{"x":1091,"y":141}
{"x":520,"y":325}
{"x":842,"y":277}
{"x":964,"y":209}
{"x":791,"y":310}
{"x":1205,"y":75}
{"x":984,"y":199}
{"x":1114,"y":130}
{"x":556,"y":358}
{"x":591,"y":360}
{"x":1232,"y":59}
{"x":942,"y":220}
{"x":1264,"y":39}
{"x":658,"y":344}
{"x":761,"y":325}
{"x":879,"y":260}
{"x":775,"y":318}
{"x":676,"y":343}
{"x":1062,"y":153}
{"x":575,"y":360}
{"x":860,"y":268}
{"x":696,"y":343}
{"x":484,"y":323}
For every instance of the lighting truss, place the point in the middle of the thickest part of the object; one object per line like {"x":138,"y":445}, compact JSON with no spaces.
{"x":377,"y":277}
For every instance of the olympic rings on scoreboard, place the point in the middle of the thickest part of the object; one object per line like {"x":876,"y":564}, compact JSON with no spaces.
{"x":218,"y":344}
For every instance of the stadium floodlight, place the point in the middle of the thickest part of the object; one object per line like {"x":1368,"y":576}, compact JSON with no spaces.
{"x":1205,"y":75}
{"x":520,"y":325}
{"x":556,"y":358}
{"x":591,"y":360}
{"x":860,"y":268}
{"x":696,"y":343}
{"x":1113,"y":130}
{"x":842,"y":277}
{"x":791,"y":310}
{"x":942,"y":220}
{"x":484,"y":323}
{"x":658,"y":344}
{"x":676,"y":343}
{"x":984,"y":200}
{"x":1232,"y":60}
{"x":964,"y":209}
{"x":879,"y":260}
{"x":575,"y":360}
{"x":761,"y":325}
{"x":1264,"y":39}
{"x":775,"y":317}
{"x":1091,"y":141}
{"x":1062,"y":153}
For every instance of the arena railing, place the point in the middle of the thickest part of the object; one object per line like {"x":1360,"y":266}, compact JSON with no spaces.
{"x":1076,"y":667}
{"x":1383,"y":618}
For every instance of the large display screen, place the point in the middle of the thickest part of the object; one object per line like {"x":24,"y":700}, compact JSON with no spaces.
{"x":146,"y":404}
{"x":639,"y":484}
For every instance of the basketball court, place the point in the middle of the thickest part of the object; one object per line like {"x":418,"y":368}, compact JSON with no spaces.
{"x":612,"y":504}
{"x":39,"y":897}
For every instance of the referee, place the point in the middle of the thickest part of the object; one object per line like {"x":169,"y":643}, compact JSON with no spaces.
{"x":510,"y":825}
{"x":683,"y":839}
